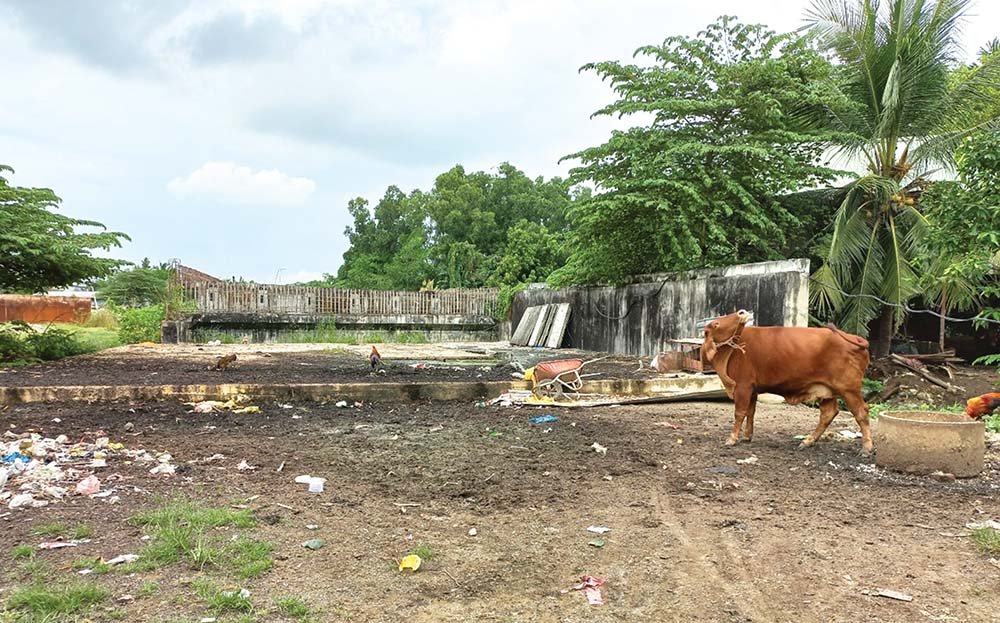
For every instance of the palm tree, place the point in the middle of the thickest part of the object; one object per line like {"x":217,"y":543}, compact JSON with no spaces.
{"x":893,"y":108}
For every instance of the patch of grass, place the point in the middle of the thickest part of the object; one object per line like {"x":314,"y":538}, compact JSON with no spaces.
{"x":992,"y":423}
{"x":424,"y":551}
{"x":36,"y":570}
{"x":147,"y":588}
{"x":49,"y":529}
{"x":987,"y":540}
{"x":50,"y":601}
{"x":294,"y":607}
{"x":871,"y":385}
{"x":249,"y":558}
{"x":410,"y":337}
{"x":94,"y":564}
{"x":81,"y":531}
{"x":23,"y":551}
{"x":102,"y":318}
{"x":195,"y":515}
{"x":93,"y":339}
{"x":222,"y":600}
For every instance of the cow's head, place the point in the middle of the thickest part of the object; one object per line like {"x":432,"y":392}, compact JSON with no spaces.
{"x":721,"y":330}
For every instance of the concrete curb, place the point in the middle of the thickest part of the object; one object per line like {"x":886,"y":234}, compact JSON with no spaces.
{"x":374,"y":391}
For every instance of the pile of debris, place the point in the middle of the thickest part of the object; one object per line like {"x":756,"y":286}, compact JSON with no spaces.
{"x":927,"y":377}
{"x":36,"y":470}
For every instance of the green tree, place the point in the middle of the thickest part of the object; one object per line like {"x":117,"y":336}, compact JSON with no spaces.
{"x":137,"y":286}
{"x":696,"y":185}
{"x":531,"y":254}
{"x":892,"y":107}
{"x":40,"y":249}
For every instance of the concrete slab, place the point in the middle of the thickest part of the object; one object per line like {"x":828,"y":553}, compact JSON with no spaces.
{"x":558,"y":329}
{"x":525,"y":327}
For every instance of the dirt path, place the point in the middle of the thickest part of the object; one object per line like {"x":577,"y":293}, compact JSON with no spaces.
{"x":696,"y":536}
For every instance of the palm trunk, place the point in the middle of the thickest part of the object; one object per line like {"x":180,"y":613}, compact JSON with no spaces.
{"x":944,"y":312}
{"x":886,"y":329}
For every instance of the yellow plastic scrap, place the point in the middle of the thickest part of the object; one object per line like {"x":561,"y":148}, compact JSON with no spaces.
{"x":411,"y":562}
{"x":115,"y":445}
{"x":247,"y":409}
{"x":529,"y":374}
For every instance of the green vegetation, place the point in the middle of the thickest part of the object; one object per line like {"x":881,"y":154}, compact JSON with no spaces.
{"x":50,"y":600}
{"x":424,"y":551}
{"x":139,"y":324}
{"x":43,"y":249}
{"x":891,"y":105}
{"x":20,"y":343}
{"x":22,"y":551}
{"x":49,"y":529}
{"x":698,"y":185}
{"x":147,"y":588}
{"x":295,"y":608}
{"x":987,"y":540}
{"x":222,"y":600}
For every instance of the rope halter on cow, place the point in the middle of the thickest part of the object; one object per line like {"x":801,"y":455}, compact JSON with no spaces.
{"x":735,"y":343}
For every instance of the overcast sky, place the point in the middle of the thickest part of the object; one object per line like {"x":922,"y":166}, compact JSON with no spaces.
{"x":231,"y":134}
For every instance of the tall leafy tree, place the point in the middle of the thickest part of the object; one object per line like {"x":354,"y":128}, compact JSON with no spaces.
{"x":41,"y":249}
{"x":137,"y":286}
{"x":695,"y":185}
{"x":893,"y":108}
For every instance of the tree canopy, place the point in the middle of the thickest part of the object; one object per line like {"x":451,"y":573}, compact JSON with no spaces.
{"x":468,"y":230}
{"x":41,"y":249}
{"x":696,"y":185}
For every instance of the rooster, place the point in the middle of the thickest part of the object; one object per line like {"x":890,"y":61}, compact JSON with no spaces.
{"x":982,"y":405}
{"x":375,"y":359}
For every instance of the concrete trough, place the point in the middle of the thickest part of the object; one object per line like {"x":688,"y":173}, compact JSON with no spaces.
{"x":924,"y":442}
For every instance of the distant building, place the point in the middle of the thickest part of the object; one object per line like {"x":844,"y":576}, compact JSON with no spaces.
{"x":95,"y":303}
{"x":186,"y":274}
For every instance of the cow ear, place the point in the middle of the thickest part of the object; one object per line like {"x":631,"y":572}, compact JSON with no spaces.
{"x":708,"y":350}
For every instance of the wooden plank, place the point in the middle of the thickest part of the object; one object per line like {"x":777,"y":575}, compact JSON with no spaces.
{"x":525,"y":326}
{"x":559,"y":322}
{"x":538,"y":331}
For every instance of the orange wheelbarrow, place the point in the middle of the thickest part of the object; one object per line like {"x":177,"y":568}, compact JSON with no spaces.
{"x":558,"y":377}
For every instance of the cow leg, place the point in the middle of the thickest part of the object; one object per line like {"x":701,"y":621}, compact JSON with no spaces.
{"x":748,"y":425}
{"x":744,"y":399}
{"x":827,"y":411}
{"x":859,"y":409}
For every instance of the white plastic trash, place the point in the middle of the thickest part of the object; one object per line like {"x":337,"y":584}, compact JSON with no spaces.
{"x":316,"y":485}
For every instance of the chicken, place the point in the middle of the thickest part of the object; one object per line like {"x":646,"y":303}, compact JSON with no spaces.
{"x":223,"y":362}
{"x":982,"y":405}
{"x":375,"y":359}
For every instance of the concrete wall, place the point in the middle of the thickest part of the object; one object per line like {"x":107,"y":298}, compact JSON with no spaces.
{"x":262,"y":327}
{"x":640,"y":318}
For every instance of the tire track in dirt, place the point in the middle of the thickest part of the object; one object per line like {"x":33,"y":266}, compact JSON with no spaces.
{"x":744,"y":596}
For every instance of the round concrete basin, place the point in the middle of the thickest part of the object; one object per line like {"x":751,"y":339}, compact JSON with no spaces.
{"x":923,"y":442}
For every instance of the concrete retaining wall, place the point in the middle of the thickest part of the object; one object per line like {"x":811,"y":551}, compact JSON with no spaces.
{"x":264,"y":327}
{"x":641,"y":317}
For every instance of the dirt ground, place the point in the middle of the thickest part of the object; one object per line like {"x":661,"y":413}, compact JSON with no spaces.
{"x":302,"y":363}
{"x":695,"y":535}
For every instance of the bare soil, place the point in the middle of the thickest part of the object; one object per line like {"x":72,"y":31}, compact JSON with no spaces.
{"x":288,"y":363}
{"x":695,"y":535}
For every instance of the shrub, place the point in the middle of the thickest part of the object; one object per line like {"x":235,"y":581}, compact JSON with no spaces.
{"x":139,"y":324}
{"x":19,"y":342}
{"x":102,"y":319}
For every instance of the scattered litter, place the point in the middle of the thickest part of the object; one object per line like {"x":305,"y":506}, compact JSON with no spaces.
{"x":316,"y":485}
{"x":311,"y":526}
{"x":37,"y":470}
{"x":609,"y":478}
{"x":943,"y":476}
{"x":129,"y":427}
{"x":542,"y":419}
{"x":303,"y":479}
{"x":214,"y":343}
{"x":750,"y":460}
{"x":163,"y":468}
{"x":979,"y":525}
{"x":233,"y":404}
{"x":473,"y":532}
{"x":591,"y":587}
{"x":894,"y":595}
{"x":799,"y":437}
{"x":88,"y":486}
{"x":598,"y":529}
{"x":285,"y":406}
{"x":411,"y":562}
{"x":480,"y":404}
{"x":314,"y":544}
{"x":244,"y":593}
{"x":435,"y":429}
{"x":596,"y":542}
{"x":280,"y":467}
{"x":669,"y":425}
{"x":61,"y":544}
{"x":124,"y":558}
{"x":598,"y":448}
{"x":245,"y":467}
{"x":208,"y":620}
{"x":341,"y":404}
{"x":850,"y":434}
{"x":725,"y":470}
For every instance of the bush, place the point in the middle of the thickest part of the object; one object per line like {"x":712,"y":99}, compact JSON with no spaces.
{"x":19,"y":342}
{"x":140,"y":324}
{"x":102,"y":319}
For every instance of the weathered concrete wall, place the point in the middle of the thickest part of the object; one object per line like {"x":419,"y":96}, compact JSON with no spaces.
{"x":640,"y":318}
{"x":283,"y":327}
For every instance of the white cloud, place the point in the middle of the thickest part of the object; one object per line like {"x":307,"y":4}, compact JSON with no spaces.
{"x":228,"y":181}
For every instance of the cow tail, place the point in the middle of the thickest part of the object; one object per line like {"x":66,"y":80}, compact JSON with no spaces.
{"x":856,"y":340}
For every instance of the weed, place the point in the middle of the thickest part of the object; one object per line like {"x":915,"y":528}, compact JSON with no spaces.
{"x":424,"y":551}
{"x":81,"y":531}
{"x":147,"y":588}
{"x":871,"y":386}
{"x":96,"y":565}
{"x":50,"y":529}
{"x":987,"y":540}
{"x":37,"y":570}
{"x":249,"y":558}
{"x":227,"y":600}
{"x":101,"y":319}
{"x":23,"y":551}
{"x":116,"y":614}
{"x":49,"y":601}
{"x":293,"y":607}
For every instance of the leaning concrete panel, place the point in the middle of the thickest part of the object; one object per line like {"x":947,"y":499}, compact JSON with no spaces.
{"x":526,"y":325}
{"x":558,"y":329}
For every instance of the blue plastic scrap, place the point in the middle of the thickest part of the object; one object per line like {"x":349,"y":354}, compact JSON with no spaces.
{"x":16,"y":456}
{"x":541,"y":419}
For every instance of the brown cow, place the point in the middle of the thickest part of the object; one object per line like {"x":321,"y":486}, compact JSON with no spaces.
{"x":801,"y":364}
